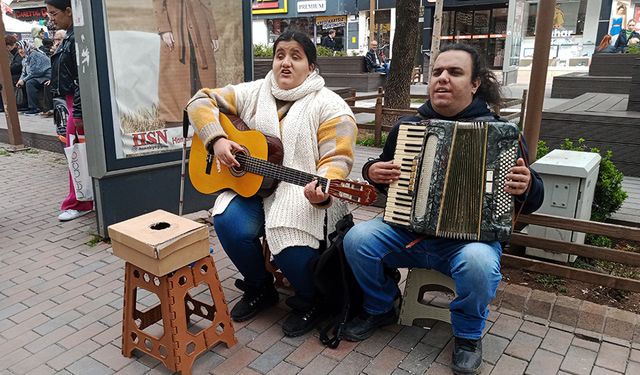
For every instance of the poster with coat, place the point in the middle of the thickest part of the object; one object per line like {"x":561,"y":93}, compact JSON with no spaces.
{"x":162,"y":53}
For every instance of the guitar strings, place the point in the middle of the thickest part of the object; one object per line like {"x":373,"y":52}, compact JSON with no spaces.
{"x":278,"y":172}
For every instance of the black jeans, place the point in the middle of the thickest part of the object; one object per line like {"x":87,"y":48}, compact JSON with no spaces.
{"x":33,"y":89}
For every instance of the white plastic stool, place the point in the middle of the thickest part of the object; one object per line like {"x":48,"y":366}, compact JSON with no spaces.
{"x":419,"y":281}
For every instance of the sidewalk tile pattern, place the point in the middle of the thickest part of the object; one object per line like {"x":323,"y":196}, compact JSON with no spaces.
{"x":61,"y":309}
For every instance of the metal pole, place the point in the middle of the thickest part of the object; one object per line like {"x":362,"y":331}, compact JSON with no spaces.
{"x":372,"y":23}
{"x":435,"y":37}
{"x":8,"y":95}
{"x":538,"y":79}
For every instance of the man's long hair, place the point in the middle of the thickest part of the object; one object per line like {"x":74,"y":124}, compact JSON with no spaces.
{"x":490,"y":89}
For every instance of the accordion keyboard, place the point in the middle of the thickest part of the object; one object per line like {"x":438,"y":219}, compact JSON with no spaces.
{"x":451,"y":181}
{"x":400,"y":198}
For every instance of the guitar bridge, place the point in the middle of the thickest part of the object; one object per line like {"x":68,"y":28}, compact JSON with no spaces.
{"x":207,"y":169}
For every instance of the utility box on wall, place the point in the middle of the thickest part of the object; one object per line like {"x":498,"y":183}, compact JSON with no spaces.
{"x":570,"y":179}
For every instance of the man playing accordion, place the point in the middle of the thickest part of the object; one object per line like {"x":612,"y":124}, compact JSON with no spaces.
{"x":460,"y":88}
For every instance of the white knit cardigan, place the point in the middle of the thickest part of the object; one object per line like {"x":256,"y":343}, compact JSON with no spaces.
{"x":290,"y":219}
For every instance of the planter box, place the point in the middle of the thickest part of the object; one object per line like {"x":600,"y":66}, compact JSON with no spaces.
{"x":634,"y":89}
{"x":612,"y":64}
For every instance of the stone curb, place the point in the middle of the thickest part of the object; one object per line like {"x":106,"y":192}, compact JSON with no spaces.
{"x":570,"y":314}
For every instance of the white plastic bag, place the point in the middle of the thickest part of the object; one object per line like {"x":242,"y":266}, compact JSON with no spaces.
{"x":79,"y":168}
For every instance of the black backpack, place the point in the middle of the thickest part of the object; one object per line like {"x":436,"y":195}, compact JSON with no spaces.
{"x":339,"y":292}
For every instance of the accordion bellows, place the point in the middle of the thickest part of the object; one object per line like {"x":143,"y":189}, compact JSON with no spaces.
{"x":452,"y":179}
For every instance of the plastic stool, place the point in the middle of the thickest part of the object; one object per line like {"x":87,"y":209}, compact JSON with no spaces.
{"x":420,"y":280}
{"x":177,"y":348}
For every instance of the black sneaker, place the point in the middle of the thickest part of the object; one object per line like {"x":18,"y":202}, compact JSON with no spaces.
{"x":363,"y":325}
{"x":304,"y":316}
{"x":467,"y":356}
{"x":253,"y":300}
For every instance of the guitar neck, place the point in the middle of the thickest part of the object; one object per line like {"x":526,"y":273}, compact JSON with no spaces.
{"x":278,"y":172}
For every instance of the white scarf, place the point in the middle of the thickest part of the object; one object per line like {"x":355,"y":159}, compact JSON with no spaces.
{"x":267,"y":111}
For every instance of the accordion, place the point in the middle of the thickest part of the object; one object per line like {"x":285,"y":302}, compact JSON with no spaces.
{"x":452,"y":179}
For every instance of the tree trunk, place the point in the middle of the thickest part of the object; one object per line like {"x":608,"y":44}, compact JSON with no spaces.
{"x":405,"y":43}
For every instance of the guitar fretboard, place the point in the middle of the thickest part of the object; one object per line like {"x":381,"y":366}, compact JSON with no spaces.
{"x":278,"y":172}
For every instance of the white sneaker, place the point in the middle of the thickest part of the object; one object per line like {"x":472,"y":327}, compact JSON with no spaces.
{"x":67,"y":215}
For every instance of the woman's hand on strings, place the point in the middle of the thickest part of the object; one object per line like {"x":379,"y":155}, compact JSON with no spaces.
{"x":314,"y":194}
{"x":224,"y":151}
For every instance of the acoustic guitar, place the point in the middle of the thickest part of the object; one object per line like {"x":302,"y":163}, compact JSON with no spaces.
{"x":260,"y":168}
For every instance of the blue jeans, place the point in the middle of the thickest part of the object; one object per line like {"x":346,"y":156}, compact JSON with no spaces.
{"x":474,"y":266}
{"x":384,"y":68}
{"x":239,"y":229}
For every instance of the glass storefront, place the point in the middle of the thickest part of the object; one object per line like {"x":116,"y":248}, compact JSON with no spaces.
{"x":278,"y":26}
{"x":485,"y":29}
{"x":570,"y":43}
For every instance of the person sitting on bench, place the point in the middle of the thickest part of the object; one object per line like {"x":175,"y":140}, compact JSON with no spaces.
{"x":374,"y":62}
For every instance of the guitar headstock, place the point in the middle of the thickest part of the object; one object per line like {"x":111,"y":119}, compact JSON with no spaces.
{"x":353,"y":191}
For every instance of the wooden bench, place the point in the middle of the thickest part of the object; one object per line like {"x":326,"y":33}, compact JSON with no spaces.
{"x":336,"y":71}
{"x":608,"y":73}
{"x":572,"y":85}
{"x":603,"y":121}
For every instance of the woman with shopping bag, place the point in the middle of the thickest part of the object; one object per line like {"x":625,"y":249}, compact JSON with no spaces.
{"x":64,"y":82}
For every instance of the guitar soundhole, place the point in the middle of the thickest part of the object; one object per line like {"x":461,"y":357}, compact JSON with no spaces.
{"x":239,"y":171}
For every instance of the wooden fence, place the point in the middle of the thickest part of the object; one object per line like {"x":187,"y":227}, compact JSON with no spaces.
{"x":513,"y":258}
{"x":506,"y":110}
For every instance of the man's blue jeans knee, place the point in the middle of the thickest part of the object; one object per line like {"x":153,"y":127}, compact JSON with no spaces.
{"x":474,"y":266}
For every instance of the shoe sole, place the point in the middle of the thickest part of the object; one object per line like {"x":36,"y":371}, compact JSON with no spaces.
{"x":366,"y":335}
{"x":73,"y":218}
{"x":458,"y":371}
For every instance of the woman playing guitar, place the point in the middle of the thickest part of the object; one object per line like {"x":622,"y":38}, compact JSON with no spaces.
{"x":317,"y":130}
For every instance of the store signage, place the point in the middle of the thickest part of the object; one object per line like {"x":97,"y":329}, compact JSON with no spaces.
{"x":312,"y":6}
{"x":329,"y":22}
{"x":268,"y":6}
{"x":33,"y":14}
{"x":557,"y":33}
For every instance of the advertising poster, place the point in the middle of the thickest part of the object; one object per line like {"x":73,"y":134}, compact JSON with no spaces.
{"x":621,"y":13}
{"x":162,"y":52}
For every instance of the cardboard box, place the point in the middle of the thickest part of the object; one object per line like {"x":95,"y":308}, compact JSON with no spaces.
{"x":159,"y":242}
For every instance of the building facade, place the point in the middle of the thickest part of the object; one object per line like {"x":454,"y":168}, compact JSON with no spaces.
{"x":503,"y":30}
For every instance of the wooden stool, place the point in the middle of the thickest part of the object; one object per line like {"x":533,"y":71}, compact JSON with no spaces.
{"x":177,"y":348}
{"x":419,"y":281}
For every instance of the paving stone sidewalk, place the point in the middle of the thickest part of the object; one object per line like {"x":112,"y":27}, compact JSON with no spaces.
{"x":61,"y":309}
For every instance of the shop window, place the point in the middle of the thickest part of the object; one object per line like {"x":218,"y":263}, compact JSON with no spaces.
{"x":464,"y":22}
{"x":481,"y":22}
{"x":499,"y":21}
{"x":568,"y":19}
{"x":280,"y":25}
{"x":448,"y":23}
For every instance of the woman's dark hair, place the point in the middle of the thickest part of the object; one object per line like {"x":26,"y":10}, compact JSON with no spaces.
{"x":306,"y":43}
{"x":59,"y":4}
{"x":489,"y":89}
